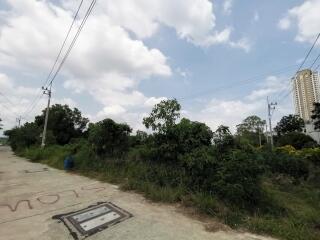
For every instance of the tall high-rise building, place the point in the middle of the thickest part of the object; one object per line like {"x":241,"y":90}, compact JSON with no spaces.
{"x":306,"y":85}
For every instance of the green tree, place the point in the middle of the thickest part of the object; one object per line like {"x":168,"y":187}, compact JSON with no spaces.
{"x":179,"y":140}
{"x":223,"y":138}
{"x":251,"y":129}
{"x":109,"y":138}
{"x":237,"y":179}
{"x":316,"y":115}
{"x":1,"y":125}
{"x":64,"y":123}
{"x":251,"y":124}
{"x":290,"y":123}
{"x":190,"y":135}
{"x":163,"y":116}
{"x":139,"y":139}
{"x":25,"y":136}
{"x":296,"y":139}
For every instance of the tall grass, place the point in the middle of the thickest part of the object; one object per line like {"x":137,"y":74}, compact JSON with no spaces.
{"x":291,"y":211}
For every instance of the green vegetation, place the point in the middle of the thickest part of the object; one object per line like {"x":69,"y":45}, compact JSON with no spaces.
{"x":227,"y":177}
{"x":316,"y":115}
{"x":3,"y":140}
{"x":288,"y":124}
{"x":251,"y":129}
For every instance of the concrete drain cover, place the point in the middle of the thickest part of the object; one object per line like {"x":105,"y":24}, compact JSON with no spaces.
{"x":93,"y":219}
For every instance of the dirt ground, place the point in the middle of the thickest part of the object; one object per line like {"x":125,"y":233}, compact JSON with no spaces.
{"x":31,"y":193}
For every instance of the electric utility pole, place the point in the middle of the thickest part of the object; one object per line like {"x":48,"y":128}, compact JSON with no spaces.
{"x":19,"y":121}
{"x":46,"y":91}
{"x":267,"y":133}
{"x":271,"y":107}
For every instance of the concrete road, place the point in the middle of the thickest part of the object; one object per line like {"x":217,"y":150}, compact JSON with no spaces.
{"x":31,"y":193}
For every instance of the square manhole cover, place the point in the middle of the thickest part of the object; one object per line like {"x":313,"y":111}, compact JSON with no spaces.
{"x":93,"y":219}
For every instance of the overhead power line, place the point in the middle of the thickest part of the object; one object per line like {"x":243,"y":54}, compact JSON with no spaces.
{"x":315,"y":42}
{"x":303,"y":62}
{"x":314,"y":62}
{"x":64,"y":42}
{"x":237,"y":84}
{"x":240,"y":83}
{"x":7,"y":109}
{"x":27,"y":115}
{"x":39,"y":93}
{"x":74,"y":40}
{"x":47,"y":89}
{"x":7,"y":99}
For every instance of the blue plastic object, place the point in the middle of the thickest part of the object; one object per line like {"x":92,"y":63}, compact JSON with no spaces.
{"x":68,"y":163}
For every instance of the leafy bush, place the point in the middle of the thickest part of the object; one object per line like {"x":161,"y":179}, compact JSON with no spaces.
{"x":311,"y":154}
{"x":64,"y":123}
{"x":238,"y":179}
{"x":287,"y":149}
{"x":23,"y":137}
{"x":180,"y":139}
{"x":297,"y":140}
{"x":109,"y":138}
{"x":219,"y":174}
{"x":279,"y":162}
{"x":289,"y":124}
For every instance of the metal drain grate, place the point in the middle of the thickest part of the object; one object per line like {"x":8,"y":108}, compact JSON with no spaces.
{"x":93,"y":219}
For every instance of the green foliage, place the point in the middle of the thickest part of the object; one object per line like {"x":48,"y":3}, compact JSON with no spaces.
{"x":251,"y":129}
{"x":109,"y":138}
{"x":311,"y":154}
{"x":163,"y":116}
{"x":180,"y":139}
{"x":297,"y":140}
{"x":280,"y":162}
{"x":316,"y":115}
{"x":225,"y":187}
{"x":301,"y":218}
{"x":238,"y":179}
{"x":23,"y":137}
{"x":253,"y":124}
{"x":52,"y":155}
{"x":287,"y":149}
{"x":1,"y":125}
{"x":64,"y":123}
{"x":288,"y":124}
{"x":139,"y":139}
{"x":229,"y":178}
{"x":223,"y":139}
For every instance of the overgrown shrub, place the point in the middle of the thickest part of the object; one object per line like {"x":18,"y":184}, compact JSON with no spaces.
{"x":280,"y":162}
{"x":109,"y":138}
{"x":311,"y":154}
{"x":238,"y":179}
{"x":297,"y":140}
{"x":24,"y":136}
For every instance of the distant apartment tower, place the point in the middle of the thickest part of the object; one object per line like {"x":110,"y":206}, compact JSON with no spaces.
{"x":306,"y":87}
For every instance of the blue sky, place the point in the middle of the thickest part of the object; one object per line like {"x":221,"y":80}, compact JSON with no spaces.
{"x":220,"y":59}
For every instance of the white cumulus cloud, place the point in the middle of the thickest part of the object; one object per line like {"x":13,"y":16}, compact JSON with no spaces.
{"x":306,"y":17}
{"x":110,"y":58}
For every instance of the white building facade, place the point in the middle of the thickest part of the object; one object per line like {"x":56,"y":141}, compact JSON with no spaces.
{"x":306,"y":86}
